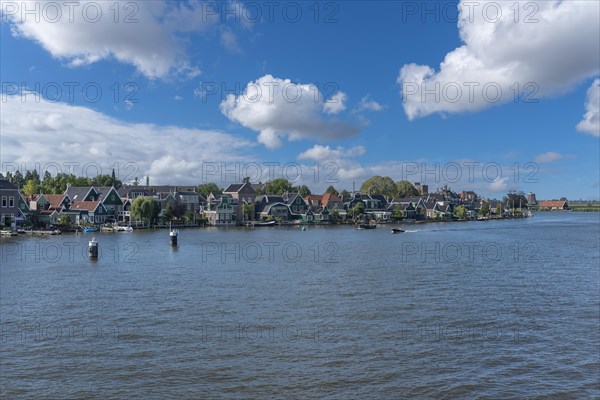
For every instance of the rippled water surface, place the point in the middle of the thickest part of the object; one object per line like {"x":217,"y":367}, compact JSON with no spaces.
{"x":496,"y":309}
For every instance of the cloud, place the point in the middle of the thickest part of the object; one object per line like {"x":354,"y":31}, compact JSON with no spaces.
{"x":325,"y":153}
{"x":366,"y":104}
{"x":278,"y":108}
{"x":230,"y":42}
{"x":591,"y":120}
{"x":43,"y":132}
{"x":499,"y":185}
{"x":550,"y":156}
{"x":540,"y":58}
{"x":336,"y":103}
{"x":145,"y":34}
{"x":177,"y":97}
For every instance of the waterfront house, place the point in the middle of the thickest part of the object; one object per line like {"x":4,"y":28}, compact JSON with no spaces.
{"x":107,"y":195}
{"x":88,"y":211}
{"x":220,"y":210}
{"x":244,"y":194}
{"x":554,"y":205}
{"x":272,"y":207}
{"x":13,"y":208}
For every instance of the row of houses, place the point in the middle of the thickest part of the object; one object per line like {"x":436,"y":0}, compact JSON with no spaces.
{"x":239,"y":203}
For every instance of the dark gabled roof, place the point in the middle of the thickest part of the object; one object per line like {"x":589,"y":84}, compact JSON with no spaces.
{"x":187,"y":193}
{"x":77,"y":193}
{"x":379,"y":197}
{"x":7,"y":185}
{"x":238,"y":187}
{"x":103,"y":191}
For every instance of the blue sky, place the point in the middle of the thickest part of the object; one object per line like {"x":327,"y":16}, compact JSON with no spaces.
{"x":359,"y":69}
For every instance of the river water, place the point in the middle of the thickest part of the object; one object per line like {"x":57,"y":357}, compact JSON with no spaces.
{"x":494,"y":309}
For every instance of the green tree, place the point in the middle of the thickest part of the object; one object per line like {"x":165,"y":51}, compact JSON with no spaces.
{"x":331,"y":190}
{"x":358,"y":209}
{"x":31,"y":187}
{"x":334,"y":217}
{"x":168,"y":213}
{"x":278,"y":186}
{"x":397,"y":214}
{"x":18,"y":179}
{"x":303,"y":190}
{"x":460,"y":212}
{"x":379,"y":185}
{"x":64,"y":220}
{"x":246,"y":179}
{"x":144,"y":208}
{"x":208,"y":188}
{"x":498,"y":209}
{"x":345,"y":194}
{"x":247,"y":211}
{"x":406,"y":189}
{"x":485,"y":209}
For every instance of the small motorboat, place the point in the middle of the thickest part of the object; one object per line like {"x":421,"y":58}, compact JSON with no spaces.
{"x":397,"y":230}
{"x":8,"y":233}
{"x":124,"y":229}
{"x":367,"y":226}
{"x":88,"y":230}
{"x":266,"y":223}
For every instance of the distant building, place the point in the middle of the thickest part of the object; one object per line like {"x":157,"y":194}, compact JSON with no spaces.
{"x":531,"y":200}
{"x":422,"y":189}
{"x":554,"y":205}
{"x":468,"y":195}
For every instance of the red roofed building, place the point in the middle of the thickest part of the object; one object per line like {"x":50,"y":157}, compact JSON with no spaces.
{"x":554,"y":205}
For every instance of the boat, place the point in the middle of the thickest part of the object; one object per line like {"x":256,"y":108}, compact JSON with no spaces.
{"x":366,"y":226}
{"x":8,"y":233}
{"x":88,"y":230}
{"x":266,"y":223}
{"x":124,"y":229}
{"x":397,"y":230}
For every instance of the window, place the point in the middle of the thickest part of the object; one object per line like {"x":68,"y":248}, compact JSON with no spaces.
{"x":3,"y":201}
{"x":11,"y":201}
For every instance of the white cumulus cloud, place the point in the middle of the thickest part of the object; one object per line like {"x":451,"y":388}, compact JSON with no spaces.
{"x":591,"y":119}
{"x":336,"y":103}
{"x":278,"y":108}
{"x":43,"y":132}
{"x":550,"y":156}
{"x":545,"y":49}
{"x":145,"y":34}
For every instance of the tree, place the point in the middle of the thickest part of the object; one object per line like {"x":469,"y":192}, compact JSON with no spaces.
{"x":247,"y":211}
{"x":31,"y":187}
{"x":64,"y":220}
{"x":460,"y":212}
{"x":334,"y":217}
{"x":144,"y":208}
{"x":379,"y":185}
{"x":208,"y":188}
{"x":331,"y":190}
{"x":303,"y":190}
{"x":246,"y":179}
{"x":397,"y":214}
{"x":498,"y":209}
{"x":18,"y":179}
{"x":278,"y":186}
{"x":358,"y":209}
{"x":406,"y":189}
{"x":179,"y":210}
{"x":345,"y":194}
{"x":168,"y":213}
{"x":136,"y":181}
{"x":485,"y":209}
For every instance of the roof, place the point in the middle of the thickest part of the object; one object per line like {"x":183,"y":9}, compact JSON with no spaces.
{"x":7,"y":185}
{"x":55,"y":200}
{"x":84,"y":205}
{"x":327,"y":197}
{"x":238,"y":187}
{"x":77,"y":193}
{"x":553,"y":203}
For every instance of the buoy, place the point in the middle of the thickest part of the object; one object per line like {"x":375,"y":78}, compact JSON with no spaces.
{"x":93,"y":248}
{"x":173,"y":236}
